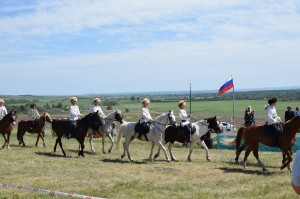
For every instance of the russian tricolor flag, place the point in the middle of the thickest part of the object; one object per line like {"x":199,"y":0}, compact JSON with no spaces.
{"x":227,"y":86}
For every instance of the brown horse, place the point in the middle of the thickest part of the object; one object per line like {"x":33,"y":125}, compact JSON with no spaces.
{"x":254,"y":135}
{"x":6,"y":126}
{"x":24,"y":126}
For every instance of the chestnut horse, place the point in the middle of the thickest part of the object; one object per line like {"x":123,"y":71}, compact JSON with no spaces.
{"x":254,"y":135}
{"x":24,"y":126}
{"x":6,"y":126}
{"x":64,"y":127}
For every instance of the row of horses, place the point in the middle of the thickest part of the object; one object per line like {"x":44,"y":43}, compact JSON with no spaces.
{"x":163,"y":130}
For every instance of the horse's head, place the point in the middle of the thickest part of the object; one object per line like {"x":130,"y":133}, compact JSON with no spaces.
{"x":171,"y":118}
{"x":119,"y":116}
{"x":11,"y":117}
{"x":213,"y":124}
{"x":47,"y":117}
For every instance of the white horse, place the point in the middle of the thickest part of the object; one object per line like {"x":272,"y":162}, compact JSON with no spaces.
{"x":157,"y":128}
{"x":105,"y":129}
{"x":201,"y":127}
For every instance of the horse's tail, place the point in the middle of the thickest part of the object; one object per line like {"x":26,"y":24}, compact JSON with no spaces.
{"x":120,"y":135}
{"x":239,"y":138}
{"x":19,"y":131}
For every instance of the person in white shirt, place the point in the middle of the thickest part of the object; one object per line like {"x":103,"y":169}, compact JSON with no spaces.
{"x":145,"y":114}
{"x":143,"y":127}
{"x":295,"y":178}
{"x":273,"y":121}
{"x":3,"y":110}
{"x":185,"y":120}
{"x":33,"y":115}
{"x":97,"y":107}
{"x":74,"y":113}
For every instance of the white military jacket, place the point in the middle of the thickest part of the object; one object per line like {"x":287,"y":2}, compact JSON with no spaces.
{"x":98,"y":108}
{"x":271,"y":115}
{"x":74,"y":112}
{"x":184,"y":117}
{"x":145,"y":114}
{"x":3,"y":112}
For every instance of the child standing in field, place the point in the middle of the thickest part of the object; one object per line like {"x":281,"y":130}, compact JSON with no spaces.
{"x":33,"y":115}
{"x":3,"y":110}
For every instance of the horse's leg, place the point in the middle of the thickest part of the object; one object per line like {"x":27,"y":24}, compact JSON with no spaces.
{"x":126,"y":146}
{"x":112,"y":142}
{"x":289,"y":159}
{"x":170,"y":151}
{"x":158,"y":152}
{"x":40,"y":135}
{"x":8,"y":137}
{"x":4,"y":141}
{"x":206,"y":150}
{"x":248,"y":151}
{"x":255,"y":153}
{"x":164,"y":149}
{"x":90,"y":132}
{"x":60,"y":144}
{"x":37,"y":139}
{"x":55,"y":145}
{"x":103,"y":142}
{"x":191,"y":151}
{"x":124,"y":152}
{"x":151,"y":151}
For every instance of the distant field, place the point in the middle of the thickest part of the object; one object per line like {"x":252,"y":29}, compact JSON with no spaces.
{"x":109,"y":176}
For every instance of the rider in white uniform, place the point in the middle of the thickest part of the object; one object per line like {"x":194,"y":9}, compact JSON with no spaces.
{"x":273,"y":120}
{"x":3,"y":110}
{"x":74,"y":113}
{"x":185,"y":120}
{"x":145,"y":114}
{"x":97,"y":107}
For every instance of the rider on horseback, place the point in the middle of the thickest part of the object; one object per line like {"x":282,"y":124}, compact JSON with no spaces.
{"x":74,"y":113}
{"x":33,"y":115}
{"x":3,"y":110}
{"x":185,"y":120}
{"x":145,"y":118}
{"x":96,"y":108}
{"x":272,"y":120}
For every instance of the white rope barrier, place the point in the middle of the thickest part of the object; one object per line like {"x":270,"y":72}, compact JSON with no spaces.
{"x":53,"y":193}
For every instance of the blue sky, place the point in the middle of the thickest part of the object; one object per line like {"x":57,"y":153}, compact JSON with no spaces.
{"x":109,"y":46}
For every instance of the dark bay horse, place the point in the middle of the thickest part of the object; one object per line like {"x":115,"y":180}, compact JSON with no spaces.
{"x":254,"y":135}
{"x":6,"y":126}
{"x":63,"y":127}
{"x":24,"y":126}
{"x":199,"y":129}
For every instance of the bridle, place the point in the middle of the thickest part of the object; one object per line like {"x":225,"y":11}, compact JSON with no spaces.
{"x":168,"y":121}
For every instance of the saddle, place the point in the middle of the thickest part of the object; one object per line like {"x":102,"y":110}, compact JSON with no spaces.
{"x":273,"y":131}
{"x":142,"y":129}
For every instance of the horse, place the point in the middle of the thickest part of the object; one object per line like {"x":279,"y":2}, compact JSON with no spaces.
{"x":254,"y":135}
{"x":24,"y":126}
{"x":105,"y":129}
{"x":64,"y":127}
{"x":199,"y":130}
{"x":6,"y":126}
{"x":157,"y":128}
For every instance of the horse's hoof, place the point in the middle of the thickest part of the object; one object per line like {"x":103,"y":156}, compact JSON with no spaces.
{"x":8,"y":147}
{"x":189,"y":160}
{"x":156,"y":156}
{"x":109,"y":151}
{"x":3,"y":146}
{"x":104,"y":152}
{"x":208,"y":158}
{"x":122,"y":156}
{"x":93,"y":150}
{"x":168,"y":160}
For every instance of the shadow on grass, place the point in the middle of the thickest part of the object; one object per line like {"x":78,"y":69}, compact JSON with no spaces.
{"x":50,"y":154}
{"x":21,"y":146}
{"x":85,"y":152}
{"x":121,"y":161}
{"x":245,"y":171}
{"x":252,"y":164}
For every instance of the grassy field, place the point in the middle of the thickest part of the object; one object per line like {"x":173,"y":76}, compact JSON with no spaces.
{"x":109,"y":176}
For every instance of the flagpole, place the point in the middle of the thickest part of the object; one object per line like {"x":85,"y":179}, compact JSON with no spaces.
{"x":233,"y":113}
{"x":190,"y":98}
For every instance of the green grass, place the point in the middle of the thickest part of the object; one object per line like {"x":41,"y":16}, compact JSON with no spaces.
{"x":108,"y":176}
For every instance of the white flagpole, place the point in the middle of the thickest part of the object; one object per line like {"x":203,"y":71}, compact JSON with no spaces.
{"x":233,"y":113}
